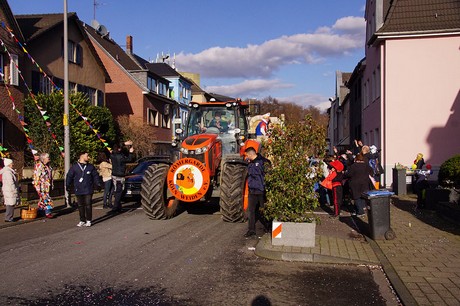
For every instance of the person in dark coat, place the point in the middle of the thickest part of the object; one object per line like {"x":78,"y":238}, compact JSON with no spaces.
{"x":256,"y":183}
{"x":358,"y":175}
{"x":83,"y":176}
{"x":119,"y":159}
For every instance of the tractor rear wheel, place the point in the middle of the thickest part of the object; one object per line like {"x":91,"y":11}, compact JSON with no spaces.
{"x":233,"y":179}
{"x":156,"y":200}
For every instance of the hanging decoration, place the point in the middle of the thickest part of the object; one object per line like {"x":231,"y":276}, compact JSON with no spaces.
{"x":55,"y":87}
{"x":40,"y":109}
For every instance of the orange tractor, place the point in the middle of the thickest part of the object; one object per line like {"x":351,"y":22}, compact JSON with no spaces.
{"x":211,"y":158}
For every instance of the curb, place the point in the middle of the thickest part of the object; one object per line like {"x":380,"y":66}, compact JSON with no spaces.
{"x":264,"y":252}
{"x":399,"y":287}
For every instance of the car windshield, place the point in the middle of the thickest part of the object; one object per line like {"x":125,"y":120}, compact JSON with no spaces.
{"x":214,"y":120}
{"x":141,"y":168}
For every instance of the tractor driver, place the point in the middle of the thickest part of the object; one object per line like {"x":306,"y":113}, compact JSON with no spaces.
{"x":217,"y":122}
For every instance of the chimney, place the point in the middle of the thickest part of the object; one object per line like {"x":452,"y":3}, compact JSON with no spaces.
{"x":129,"y":44}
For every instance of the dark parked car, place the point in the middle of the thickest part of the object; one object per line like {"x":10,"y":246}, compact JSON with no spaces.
{"x":133,"y":180}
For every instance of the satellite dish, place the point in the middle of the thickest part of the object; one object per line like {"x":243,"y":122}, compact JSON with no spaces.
{"x":102,"y":30}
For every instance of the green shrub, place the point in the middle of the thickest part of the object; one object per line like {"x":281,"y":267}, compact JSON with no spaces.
{"x":290,"y":194}
{"x":449,"y":173}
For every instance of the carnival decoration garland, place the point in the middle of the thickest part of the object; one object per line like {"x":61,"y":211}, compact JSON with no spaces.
{"x":43,"y":112}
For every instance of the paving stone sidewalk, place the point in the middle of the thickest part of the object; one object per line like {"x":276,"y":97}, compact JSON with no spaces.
{"x":425,"y":254}
{"x":336,"y":241}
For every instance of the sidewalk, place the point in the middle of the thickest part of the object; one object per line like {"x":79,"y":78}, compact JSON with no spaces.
{"x":422,"y":262}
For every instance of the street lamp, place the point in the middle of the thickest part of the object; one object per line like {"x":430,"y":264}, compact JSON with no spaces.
{"x":66,"y":104}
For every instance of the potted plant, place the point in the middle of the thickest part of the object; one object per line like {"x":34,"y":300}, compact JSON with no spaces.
{"x":291,"y":198}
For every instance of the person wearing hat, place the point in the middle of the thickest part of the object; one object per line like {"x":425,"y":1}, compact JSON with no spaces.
{"x":43,"y":183}
{"x":262,"y":127}
{"x":83,"y":176}
{"x":9,"y":188}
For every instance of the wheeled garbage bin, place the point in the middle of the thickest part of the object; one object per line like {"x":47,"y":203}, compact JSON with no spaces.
{"x":378,"y":202}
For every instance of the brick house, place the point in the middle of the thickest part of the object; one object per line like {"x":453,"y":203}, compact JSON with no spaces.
{"x":135,"y":91}
{"x":11,"y":131}
{"x":44,"y":35}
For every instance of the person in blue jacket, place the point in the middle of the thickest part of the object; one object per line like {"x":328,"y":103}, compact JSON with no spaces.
{"x":83,"y":176}
{"x":256,"y":184}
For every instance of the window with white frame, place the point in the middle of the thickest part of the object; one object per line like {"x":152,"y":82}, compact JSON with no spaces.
{"x":10,"y":73}
{"x":14,"y":73}
{"x":152,"y":117}
{"x":75,"y":53}
{"x":166,"y":121}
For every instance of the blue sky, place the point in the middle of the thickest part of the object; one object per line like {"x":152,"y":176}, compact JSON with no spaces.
{"x":289,"y":49}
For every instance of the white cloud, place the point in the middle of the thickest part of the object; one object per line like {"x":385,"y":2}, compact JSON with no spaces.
{"x":249,"y":88}
{"x":255,"y":61}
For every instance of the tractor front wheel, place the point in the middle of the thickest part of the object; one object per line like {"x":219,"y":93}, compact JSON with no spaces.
{"x":233,"y":180}
{"x":156,"y":200}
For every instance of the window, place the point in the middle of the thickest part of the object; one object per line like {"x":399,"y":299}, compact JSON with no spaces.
{"x":40,"y":84}
{"x":152,"y":84}
{"x":166,"y":122}
{"x":75,"y":53}
{"x":10,"y":72}
{"x":1,"y":66}
{"x":14,"y":74}
{"x":1,"y":130}
{"x":152,"y":117}
{"x":378,"y":86}
{"x":373,"y":87}
{"x":162,"y":89}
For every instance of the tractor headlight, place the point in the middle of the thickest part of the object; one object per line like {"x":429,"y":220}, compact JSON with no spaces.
{"x":201,"y":150}
{"x":242,"y":144}
{"x":184,"y":150}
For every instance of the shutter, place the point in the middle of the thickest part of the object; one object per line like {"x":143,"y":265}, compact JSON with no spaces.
{"x":14,"y":73}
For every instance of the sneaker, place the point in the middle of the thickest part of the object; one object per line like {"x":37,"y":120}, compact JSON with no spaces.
{"x":88,"y":223}
{"x":49,"y":216}
{"x":249,"y":234}
{"x":80,"y":224}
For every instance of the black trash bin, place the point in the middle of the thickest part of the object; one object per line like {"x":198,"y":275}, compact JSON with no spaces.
{"x":378,"y":202}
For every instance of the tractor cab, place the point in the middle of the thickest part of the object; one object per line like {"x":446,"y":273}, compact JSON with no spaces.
{"x":223,"y":121}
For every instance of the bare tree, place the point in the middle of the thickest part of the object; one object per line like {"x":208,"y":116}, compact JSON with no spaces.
{"x":140,"y":133}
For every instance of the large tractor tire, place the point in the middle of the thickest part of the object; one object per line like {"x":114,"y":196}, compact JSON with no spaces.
{"x":233,"y":180}
{"x":156,"y":200}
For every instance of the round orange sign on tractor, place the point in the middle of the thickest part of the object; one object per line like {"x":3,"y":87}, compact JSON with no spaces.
{"x":188,"y":179}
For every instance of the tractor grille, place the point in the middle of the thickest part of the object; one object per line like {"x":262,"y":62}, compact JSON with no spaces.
{"x":199,"y":157}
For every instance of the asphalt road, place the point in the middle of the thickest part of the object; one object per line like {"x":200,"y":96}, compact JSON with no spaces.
{"x":192,"y":259}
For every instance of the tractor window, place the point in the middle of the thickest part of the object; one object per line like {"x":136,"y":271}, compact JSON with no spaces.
{"x":219,"y":120}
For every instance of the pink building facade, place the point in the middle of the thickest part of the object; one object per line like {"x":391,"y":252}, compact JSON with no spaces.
{"x":411,"y":83}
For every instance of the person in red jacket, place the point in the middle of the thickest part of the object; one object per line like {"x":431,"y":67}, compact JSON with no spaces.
{"x":337,"y":189}
{"x":334,"y":182}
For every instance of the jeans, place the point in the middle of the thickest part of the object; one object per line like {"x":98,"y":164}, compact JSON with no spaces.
{"x":360,"y":204}
{"x":119,"y":184}
{"x":255,"y":203}
{"x":108,"y":192}
{"x":85,"y":207}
